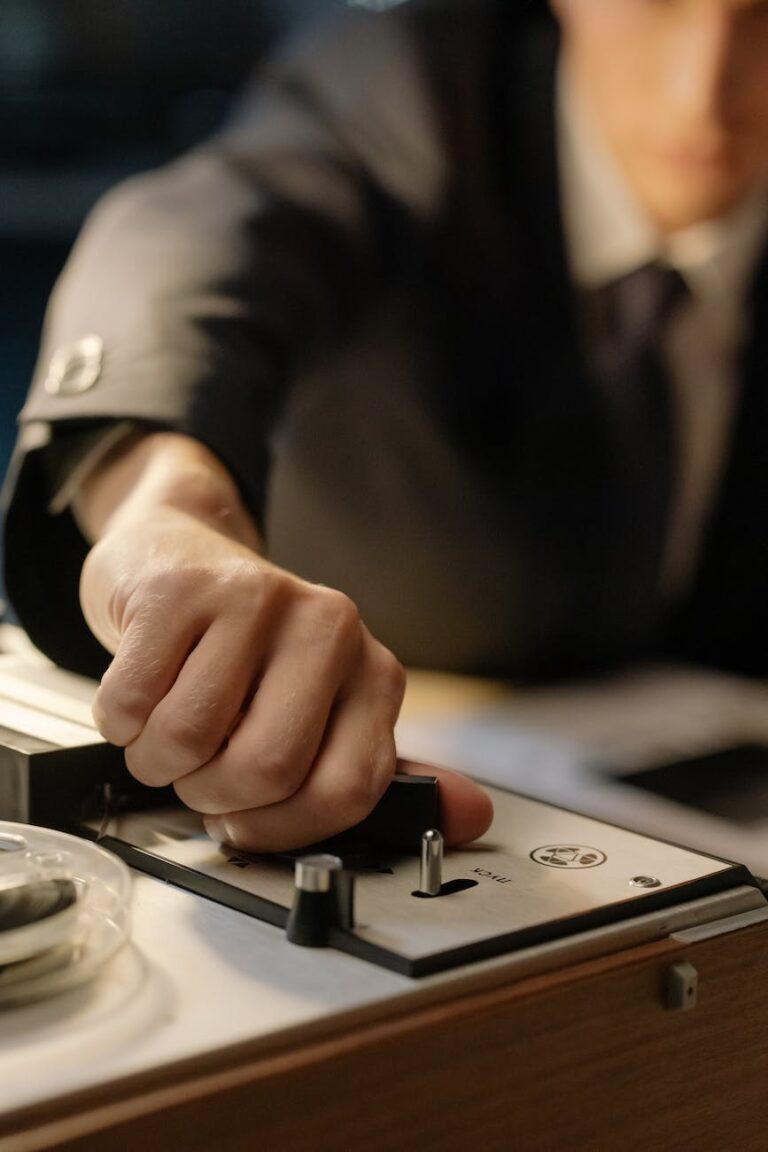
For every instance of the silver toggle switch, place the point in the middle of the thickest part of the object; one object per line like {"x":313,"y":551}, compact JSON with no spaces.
{"x":431,"y":870}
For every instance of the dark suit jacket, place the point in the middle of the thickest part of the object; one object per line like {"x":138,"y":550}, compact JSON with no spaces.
{"x":357,"y":297}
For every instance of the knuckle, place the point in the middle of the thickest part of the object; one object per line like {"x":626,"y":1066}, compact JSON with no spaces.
{"x":250,"y":595}
{"x":275,"y":776}
{"x":382,"y":760}
{"x":355,"y":802}
{"x":344,"y":609}
{"x":364,"y":787}
{"x":161,"y":585}
{"x":164,"y":599}
{"x":120,"y":710}
{"x":189,"y":735}
{"x":129,"y":702}
{"x":338,"y":617}
{"x":245,"y":586}
{"x":391,"y":675}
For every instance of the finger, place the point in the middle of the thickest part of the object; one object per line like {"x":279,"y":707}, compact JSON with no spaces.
{"x":191,"y":722}
{"x":466,"y":811}
{"x":272,"y":749}
{"x":268,"y":756}
{"x":355,"y":764}
{"x":150,"y":655}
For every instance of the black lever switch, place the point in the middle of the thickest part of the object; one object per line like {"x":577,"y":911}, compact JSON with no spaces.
{"x":394,"y":827}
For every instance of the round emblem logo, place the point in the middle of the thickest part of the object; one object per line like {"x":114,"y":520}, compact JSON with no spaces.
{"x":568,"y":856}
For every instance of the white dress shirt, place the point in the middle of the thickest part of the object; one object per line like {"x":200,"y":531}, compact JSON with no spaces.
{"x":607,"y":235}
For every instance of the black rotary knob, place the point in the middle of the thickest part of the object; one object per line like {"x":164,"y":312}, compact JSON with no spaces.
{"x":322,"y":900}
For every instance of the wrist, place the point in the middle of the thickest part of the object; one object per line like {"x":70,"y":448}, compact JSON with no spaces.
{"x":164,"y":471}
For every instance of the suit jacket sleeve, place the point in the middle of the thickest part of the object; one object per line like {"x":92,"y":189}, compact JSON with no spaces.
{"x":210,"y":283}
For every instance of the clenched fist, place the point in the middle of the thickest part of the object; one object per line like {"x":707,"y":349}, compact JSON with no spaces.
{"x":262,"y":698}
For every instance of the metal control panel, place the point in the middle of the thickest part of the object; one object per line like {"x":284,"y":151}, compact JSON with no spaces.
{"x":541,"y":874}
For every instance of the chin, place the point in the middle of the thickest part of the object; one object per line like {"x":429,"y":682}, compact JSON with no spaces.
{"x":677,"y":204}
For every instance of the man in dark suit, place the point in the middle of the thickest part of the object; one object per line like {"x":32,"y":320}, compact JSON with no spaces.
{"x":464,"y":316}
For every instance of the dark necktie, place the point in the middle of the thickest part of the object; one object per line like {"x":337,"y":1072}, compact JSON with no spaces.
{"x":631,"y":319}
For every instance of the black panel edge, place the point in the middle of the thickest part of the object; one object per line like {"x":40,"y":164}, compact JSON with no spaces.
{"x":199,"y":883}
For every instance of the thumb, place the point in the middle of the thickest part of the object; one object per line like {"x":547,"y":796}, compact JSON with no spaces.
{"x":98,"y":599}
{"x":466,"y":811}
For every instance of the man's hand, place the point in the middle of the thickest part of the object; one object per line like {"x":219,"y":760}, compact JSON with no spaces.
{"x":262,"y":698}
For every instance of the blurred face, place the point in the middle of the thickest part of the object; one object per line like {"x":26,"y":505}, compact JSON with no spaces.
{"x":679,"y":89}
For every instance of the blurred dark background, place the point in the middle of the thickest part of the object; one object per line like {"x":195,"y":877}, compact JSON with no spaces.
{"x":91,"y":91}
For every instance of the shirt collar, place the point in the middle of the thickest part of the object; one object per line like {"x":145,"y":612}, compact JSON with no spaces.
{"x":607,"y":234}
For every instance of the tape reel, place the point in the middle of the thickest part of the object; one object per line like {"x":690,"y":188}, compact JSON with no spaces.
{"x":64,"y":911}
